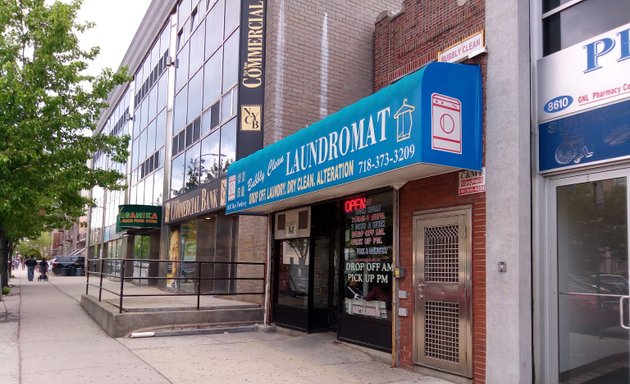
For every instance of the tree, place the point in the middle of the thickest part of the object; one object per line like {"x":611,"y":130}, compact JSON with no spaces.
{"x":41,"y":244}
{"x":47,"y":103}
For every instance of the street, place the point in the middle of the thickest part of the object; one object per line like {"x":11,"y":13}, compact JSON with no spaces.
{"x":46,"y":337}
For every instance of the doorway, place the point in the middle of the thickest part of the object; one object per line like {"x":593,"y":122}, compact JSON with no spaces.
{"x":589,"y":318}
{"x":442,"y":259}
{"x":305,"y":269}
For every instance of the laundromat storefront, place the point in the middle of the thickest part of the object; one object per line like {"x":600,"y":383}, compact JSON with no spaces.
{"x":330,"y":190}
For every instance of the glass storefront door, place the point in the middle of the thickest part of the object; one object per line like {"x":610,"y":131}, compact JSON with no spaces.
{"x":591,"y":262}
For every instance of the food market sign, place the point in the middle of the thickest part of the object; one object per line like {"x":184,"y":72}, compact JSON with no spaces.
{"x":430,"y":117}
{"x":138,"y":216}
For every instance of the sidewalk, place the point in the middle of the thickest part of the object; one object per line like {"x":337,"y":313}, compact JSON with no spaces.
{"x":46,"y":337}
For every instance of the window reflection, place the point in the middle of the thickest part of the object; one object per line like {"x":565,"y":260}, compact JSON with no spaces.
{"x":212,"y":79}
{"x":228,"y":145}
{"x":214,"y":28}
{"x":193,"y":168}
{"x":177,"y":175}
{"x":210,"y":157}
{"x":293,"y":279}
{"x":230,"y":62}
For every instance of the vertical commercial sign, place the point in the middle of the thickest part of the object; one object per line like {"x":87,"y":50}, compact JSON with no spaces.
{"x":251,"y":88}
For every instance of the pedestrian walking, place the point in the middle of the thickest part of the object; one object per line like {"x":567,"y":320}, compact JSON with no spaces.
{"x":31,"y":263}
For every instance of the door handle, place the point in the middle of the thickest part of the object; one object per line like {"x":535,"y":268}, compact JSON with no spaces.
{"x":621,"y":307}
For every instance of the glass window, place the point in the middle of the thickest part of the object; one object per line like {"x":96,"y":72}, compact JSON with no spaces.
{"x":196,"y":48}
{"x":582,"y":21}
{"x":210,"y":157}
{"x":228,"y":145}
{"x":368,"y":255}
{"x":181,"y":72}
{"x":177,"y":175}
{"x":132,"y":195}
{"x":592,"y":248}
{"x":162,"y":92}
{"x":152,"y":103}
{"x":230,"y":62}
{"x":148,"y":190}
{"x":205,"y":122}
{"x":183,"y":12}
{"x":214,"y":115}
{"x":193,"y":168}
{"x":135,"y":153}
{"x":180,"y":109}
{"x":293,"y":273}
{"x":195,"y":96}
{"x":212,"y":79}
{"x":214,"y":28}
{"x":165,"y":39}
{"x":158,"y":180}
{"x":228,"y":105}
{"x":151,"y":138}
{"x":142,"y":146}
{"x":232,"y":16}
{"x":160,"y":130}
{"x":140,"y":195}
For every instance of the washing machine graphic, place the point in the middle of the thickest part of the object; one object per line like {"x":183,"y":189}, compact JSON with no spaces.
{"x":446,"y":123}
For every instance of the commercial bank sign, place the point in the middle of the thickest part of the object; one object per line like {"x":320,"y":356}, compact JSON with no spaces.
{"x":431,"y":116}
{"x":584,"y":102}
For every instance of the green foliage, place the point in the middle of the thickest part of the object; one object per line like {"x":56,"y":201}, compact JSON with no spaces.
{"x":34,"y":253}
{"x":6,"y":290}
{"x":47,"y":104}
{"x":49,"y":109}
{"x":40,"y":244}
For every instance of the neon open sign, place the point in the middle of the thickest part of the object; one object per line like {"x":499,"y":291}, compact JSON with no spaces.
{"x":354,"y":204}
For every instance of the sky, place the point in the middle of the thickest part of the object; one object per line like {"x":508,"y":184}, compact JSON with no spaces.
{"x":116,"y":24}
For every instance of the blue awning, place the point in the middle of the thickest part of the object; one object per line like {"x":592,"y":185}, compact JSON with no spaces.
{"x":427,"y":123}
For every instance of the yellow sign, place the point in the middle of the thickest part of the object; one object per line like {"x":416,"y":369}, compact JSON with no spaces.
{"x":250,"y":117}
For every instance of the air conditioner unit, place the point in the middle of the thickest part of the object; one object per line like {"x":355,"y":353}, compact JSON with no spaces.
{"x":292,"y":224}
{"x":169,"y":61}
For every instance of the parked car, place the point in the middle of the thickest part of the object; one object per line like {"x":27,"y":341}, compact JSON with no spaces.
{"x":67,"y":265}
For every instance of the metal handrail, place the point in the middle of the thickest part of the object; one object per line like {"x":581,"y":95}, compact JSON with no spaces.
{"x":197,"y":279}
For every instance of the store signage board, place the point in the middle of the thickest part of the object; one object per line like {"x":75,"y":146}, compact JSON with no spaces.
{"x":432,"y":117}
{"x":138,"y":216}
{"x":470,"y":47}
{"x":471,"y":182}
{"x":584,"y":76}
{"x":206,"y":198}
{"x":589,"y":137}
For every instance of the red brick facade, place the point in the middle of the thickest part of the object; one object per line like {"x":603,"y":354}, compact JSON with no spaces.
{"x":402,"y":44}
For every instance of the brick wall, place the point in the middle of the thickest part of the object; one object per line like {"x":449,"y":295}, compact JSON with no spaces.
{"x":403,"y":43}
{"x":319,"y":59}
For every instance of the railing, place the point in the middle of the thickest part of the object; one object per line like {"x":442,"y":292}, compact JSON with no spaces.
{"x":180,"y":271}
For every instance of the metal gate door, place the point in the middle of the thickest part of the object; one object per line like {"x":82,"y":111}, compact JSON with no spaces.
{"x":442,"y":279}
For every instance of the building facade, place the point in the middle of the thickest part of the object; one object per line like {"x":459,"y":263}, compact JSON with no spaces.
{"x":213,"y":81}
{"x":581,"y":111}
{"x":468,"y":217}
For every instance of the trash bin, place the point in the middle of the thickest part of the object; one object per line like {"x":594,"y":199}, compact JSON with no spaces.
{"x":65,"y":272}
{"x":79,"y":272}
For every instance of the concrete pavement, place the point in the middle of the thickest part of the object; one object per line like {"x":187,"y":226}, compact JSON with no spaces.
{"x":46,"y":337}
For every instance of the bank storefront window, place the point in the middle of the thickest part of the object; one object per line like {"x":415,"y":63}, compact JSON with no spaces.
{"x":368,"y":256}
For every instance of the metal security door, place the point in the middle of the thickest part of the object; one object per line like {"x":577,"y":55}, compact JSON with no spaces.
{"x":442,"y":279}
